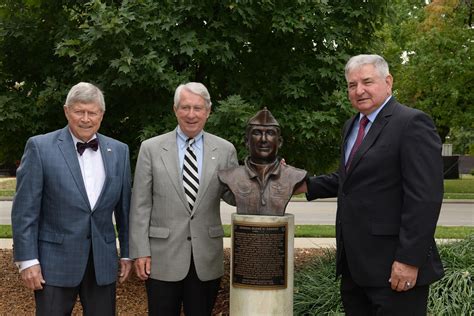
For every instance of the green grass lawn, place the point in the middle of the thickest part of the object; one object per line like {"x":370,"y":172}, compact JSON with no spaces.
{"x":459,"y":188}
{"x":7,"y":186}
{"x":462,"y":188}
{"x":323,"y":231}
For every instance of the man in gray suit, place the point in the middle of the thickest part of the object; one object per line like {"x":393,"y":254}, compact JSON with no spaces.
{"x":69,"y":183}
{"x":176,"y":232}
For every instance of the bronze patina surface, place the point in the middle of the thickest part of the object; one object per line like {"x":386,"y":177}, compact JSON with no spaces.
{"x":262,"y":186}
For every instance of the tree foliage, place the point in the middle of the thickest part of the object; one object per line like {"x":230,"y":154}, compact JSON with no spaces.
{"x":436,"y":74}
{"x":29,"y":98}
{"x":286,"y":55}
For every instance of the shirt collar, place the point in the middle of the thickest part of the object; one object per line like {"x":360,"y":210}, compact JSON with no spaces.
{"x":77,"y":140}
{"x":275,"y":168}
{"x":372,"y":116}
{"x":182,"y":138}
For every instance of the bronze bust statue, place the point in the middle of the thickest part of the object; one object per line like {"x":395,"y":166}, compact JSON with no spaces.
{"x":262,"y":186}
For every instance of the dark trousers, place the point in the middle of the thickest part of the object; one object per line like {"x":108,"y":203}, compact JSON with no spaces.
{"x":95,"y":299}
{"x":363,"y":301}
{"x":196,"y":296}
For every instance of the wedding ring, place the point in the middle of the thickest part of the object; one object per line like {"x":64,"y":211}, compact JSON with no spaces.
{"x":407,"y":285}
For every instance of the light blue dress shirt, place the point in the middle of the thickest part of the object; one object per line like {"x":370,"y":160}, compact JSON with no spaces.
{"x":355,"y":129}
{"x":197,"y":146}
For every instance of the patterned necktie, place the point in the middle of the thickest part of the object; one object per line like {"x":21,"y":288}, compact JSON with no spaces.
{"x":93,"y":144}
{"x":360,"y":136}
{"x":190,"y":174}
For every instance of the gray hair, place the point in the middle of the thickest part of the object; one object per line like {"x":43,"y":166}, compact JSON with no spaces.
{"x":193,"y":87}
{"x":85,"y":92}
{"x":358,"y":61}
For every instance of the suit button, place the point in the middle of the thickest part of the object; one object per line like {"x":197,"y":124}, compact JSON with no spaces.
{"x":88,"y":236}
{"x":189,"y":238}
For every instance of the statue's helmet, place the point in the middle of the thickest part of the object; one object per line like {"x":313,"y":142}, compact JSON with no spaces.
{"x":263,"y":117}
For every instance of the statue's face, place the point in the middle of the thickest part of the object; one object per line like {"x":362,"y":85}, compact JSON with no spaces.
{"x":263,"y":143}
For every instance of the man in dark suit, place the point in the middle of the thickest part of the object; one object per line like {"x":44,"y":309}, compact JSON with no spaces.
{"x":69,"y":183}
{"x":176,"y":232}
{"x":389,"y":188}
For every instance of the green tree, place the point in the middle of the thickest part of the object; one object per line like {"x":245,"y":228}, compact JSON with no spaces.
{"x":32,"y":77}
{"x":286,"y":55}
{"x":437,"y":70}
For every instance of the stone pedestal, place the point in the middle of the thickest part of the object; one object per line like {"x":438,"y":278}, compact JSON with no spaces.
{"x":262,"y":265}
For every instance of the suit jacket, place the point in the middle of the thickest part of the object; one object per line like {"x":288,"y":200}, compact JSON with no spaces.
{"x":52,"y":219}
{"x":161,"y":223}
{"x":389,"y":200}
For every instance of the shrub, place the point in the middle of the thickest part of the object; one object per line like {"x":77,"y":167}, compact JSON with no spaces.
{"x":317,"y":291}
{"x":453,"y":294}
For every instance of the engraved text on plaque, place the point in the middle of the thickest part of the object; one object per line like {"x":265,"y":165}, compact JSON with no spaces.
{"x":259,"y":255}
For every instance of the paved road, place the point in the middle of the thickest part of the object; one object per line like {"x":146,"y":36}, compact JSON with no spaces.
{"x":322,"y":213}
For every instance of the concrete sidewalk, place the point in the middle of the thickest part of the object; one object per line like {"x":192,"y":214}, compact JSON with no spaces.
{"x":6,"y":243}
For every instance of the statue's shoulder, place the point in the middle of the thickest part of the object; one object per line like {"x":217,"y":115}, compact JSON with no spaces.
{"x":227,"y":175}
{"x":293,"y":173}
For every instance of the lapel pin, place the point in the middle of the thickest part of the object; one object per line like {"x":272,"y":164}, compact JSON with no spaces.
{"x":213,"y":158}
{"x":108,"y":149}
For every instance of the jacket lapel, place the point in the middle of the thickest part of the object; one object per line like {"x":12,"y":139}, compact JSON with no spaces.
{"x":107,"y":155}
{"x":210,"y":160}
{"x":170,"y":160}
{"x":347,"y":128}
{"x":68,"y":151}
{"x":377,"y":126}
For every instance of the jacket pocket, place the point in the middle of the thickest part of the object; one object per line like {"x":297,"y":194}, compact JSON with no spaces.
{"x":216,"y":231}
{"x":109,"y":238}
{"x":385,"y":229}
{"x":159,"y":232}
{"x":51,"y":237}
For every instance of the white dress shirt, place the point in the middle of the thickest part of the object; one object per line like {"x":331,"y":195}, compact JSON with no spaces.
{"x":92,"y":170}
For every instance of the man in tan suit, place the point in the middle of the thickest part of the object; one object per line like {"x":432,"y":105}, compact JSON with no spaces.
{"x":176,"y":233}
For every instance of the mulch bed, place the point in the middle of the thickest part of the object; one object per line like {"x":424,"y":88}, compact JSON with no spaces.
{"x":16,"y":299}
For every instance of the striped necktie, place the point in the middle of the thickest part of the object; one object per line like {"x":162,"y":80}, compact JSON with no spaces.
{"x":190,"y":173}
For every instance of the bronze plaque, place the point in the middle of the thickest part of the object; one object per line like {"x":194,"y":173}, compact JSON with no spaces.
{"x":259,"y":254}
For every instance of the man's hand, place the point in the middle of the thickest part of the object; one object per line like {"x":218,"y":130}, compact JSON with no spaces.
{"x":143,"y":267}
{"x":125,"y":268}
{"x":403,"y":277}
{"x":302,"y":188}
{"x":33,"y":278}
